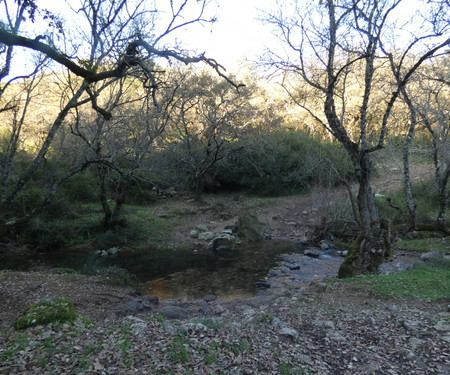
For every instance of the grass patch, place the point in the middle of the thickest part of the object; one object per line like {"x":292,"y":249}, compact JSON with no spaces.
{"x":425,"y":281}
{"x":425,"y":245}
{"x":178,"y":351}
{"x":147,"y":230}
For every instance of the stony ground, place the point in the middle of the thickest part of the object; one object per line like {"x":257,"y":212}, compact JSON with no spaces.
{"x":326,"y":328}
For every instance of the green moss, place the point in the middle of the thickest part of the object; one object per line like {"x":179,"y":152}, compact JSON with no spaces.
{"x":360,"y":260}
{"x":48,"y":311}
{"x":346,"y":268}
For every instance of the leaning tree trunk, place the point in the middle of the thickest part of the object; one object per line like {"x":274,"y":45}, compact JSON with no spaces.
{"x":46,"y":145}
{"x":367,"y":251}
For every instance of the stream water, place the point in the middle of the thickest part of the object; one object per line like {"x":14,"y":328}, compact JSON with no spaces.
{"x":186,"y":276}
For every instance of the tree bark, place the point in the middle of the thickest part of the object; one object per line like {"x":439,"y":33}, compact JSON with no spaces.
{"x":368,"y":250}
{"x":101,"y":170}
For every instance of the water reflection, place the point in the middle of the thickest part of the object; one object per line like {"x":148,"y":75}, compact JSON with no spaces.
{"x":229,"y":275}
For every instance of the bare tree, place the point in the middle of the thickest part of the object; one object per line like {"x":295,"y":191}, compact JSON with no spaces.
{"x":110,"y":40}
{"x":433,"y":110}
{"x":331,"y":46}
{"x":208,"y":116}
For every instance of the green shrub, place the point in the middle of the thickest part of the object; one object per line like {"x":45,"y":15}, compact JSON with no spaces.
{"x":425,"y":197}
{"x":248,"y":228}
{"x":283,"y":162}
{"x":82,"y":187}
{"x":268,"y":164}
{"x":58,"y":309}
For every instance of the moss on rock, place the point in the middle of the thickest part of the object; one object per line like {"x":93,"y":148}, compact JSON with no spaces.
{"x":56,"y":309}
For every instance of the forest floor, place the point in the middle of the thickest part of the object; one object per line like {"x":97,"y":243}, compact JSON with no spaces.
{"x":327,"y":327}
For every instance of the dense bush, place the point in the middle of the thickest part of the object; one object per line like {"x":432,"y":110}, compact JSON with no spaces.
{"x":268,"y":164}
{"x":283,"y":162}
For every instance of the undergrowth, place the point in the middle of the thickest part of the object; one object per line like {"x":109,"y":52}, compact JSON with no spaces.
{"x":424,"y":281}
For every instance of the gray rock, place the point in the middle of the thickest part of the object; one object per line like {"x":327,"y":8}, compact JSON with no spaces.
{"x":206,"y":236}
{"x":336,"y":336}
{"x":227,"y":231}
{"x":414,"y":342}
{"x":138,"y":326}
{"x":202,"y":228}
{"x":393,"y":308}
{"x":113,"y":251}
{"x":303,"y":241}
{"x":276,"y":322}
{"x":193,"y":233}
{"x":129,"y":308}
{"x":304,"y":358}
{"x":291,"y":266}
{"x":289,"y":332}
{"x":262,"y":284}
{"x":407,"y":354}
{"x":195,"y":327}
{"x":312,"y":253}
{"x":442,"y":326}
{"x":173,"y":312}
{"x":411,"y":325}
{"x":324,"y":245}
{"x":223,"y":242}
{"x":209,"y":298}
{"x":149,"y":302}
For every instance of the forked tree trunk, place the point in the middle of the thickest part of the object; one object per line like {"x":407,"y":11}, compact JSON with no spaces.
{"x":367,"y":252}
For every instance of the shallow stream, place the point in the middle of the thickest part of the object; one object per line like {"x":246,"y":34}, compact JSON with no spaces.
{"x":182,"y":275}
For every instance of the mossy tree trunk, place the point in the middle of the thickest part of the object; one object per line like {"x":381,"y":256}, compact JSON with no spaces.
{"x":367,"y":251}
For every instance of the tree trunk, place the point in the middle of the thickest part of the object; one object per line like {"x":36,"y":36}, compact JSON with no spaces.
{"x":103,"y":196}
{"x":366,"y":253}
{"x":198,"y":188}
{"x":443,"y":196}
{"x":123,"y":189}
{"x":409,"y":200}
